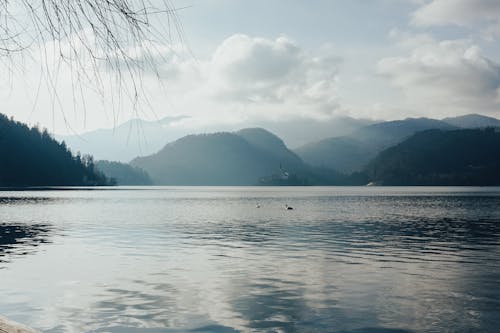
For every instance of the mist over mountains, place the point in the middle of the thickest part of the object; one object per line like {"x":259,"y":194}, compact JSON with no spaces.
{"x":414,"y":151}
{"x":138,"y":137}
{"x":255,"y":155}
{"x":352,"y":152}
{"x":133,"y":138}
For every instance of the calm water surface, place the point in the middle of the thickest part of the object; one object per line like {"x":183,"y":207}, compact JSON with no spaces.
{"x":202,"y":259}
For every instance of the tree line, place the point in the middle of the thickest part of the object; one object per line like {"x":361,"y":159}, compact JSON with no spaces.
{"x":30,"y":156}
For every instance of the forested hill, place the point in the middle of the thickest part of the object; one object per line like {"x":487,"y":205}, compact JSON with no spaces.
{"x":123,"y":174}
{"x":240,"y":158}
{"x":31,"y":157}
{"x":436,"y":157}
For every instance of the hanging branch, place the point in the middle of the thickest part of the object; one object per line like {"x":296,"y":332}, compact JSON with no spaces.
{"x":89,"y":36}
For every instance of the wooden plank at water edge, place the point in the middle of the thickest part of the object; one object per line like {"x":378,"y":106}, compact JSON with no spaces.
{"x":8,"y":326}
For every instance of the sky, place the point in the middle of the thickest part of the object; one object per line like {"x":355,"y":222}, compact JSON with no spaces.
{"x":241,"y":62}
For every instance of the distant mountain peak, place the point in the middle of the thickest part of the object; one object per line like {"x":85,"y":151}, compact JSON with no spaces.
{"x":261,"y":137}
{"x":220,"y":158}
{"x":473,"y":120}
{"x":258,"y":130}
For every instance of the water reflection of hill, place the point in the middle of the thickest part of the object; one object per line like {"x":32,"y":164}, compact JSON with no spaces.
{"x":21,"y":239}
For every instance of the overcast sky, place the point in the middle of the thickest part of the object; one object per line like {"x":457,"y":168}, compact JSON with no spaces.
{"x":245,"y":61}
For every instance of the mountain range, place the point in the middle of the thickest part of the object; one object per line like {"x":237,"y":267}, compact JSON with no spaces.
{"x":139,"y":137}
{"x":254,"y":155}
{"x":352,"y":152}
{"x":419,"y":151}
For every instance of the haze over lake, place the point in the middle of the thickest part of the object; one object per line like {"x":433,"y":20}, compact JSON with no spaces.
{"x":206,"y":259}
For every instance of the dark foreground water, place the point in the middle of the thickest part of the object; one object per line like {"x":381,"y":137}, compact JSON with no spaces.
{"x":207,"y":260}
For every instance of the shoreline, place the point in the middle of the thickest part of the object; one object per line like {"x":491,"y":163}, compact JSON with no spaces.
{"x":9,"y":326}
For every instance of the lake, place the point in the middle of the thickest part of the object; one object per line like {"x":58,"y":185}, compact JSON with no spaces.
{"x":206,"y":259}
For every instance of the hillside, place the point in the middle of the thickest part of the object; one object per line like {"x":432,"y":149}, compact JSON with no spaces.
{"x":270,"y":143}
{"x":31,"y":157}
{"x":123,"y":174}
{"x":344,"y":154}
{"x":352,"y":153}
{"x":220,"y":159}
{"x":436,"y":157}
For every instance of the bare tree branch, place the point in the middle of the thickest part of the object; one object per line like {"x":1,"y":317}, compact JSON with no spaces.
{"x":89,"y":36}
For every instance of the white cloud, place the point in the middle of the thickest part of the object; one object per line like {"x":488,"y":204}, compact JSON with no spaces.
{"x":256,"y":60}
{"x":256,"y":70}
{"x":446,"y":77}
{"x":248,"y":78}
{"x":457,"y":12}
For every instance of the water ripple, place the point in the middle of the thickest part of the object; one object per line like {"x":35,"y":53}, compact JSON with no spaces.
{"x":207,"y":260}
